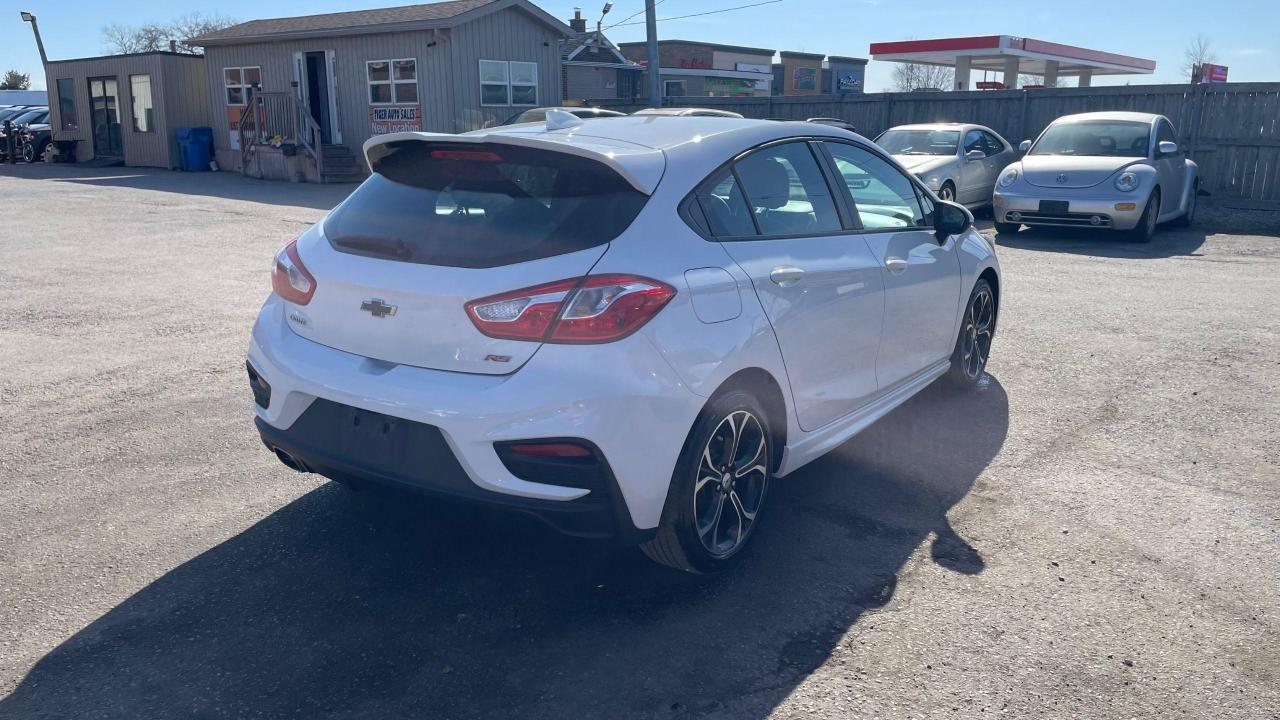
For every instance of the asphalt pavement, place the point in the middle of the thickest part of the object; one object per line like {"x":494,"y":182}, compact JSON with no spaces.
{"x":1093,"y":533}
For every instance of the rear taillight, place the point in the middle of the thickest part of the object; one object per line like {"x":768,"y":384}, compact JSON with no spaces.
{"x":290,"y":278}
{"x":595,"y":309}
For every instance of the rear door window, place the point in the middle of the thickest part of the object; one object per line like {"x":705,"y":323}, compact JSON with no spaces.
{"x":786,"y":191}
{"x":478,"y":206}
{"x":724,"y":207}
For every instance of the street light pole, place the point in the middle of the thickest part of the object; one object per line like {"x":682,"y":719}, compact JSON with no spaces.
{"x":651,"y":30}
{"x":28,"y":17}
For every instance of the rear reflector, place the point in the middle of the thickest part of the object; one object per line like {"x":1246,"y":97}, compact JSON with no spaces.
{"x":595,"y":309}
{"x":472,"y":155}
{"x":550,"y":450}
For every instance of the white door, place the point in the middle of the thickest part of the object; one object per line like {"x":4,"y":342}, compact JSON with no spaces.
{"x":921,"y":276}
{"x":816,"y":279}
{"x":331,"y":67}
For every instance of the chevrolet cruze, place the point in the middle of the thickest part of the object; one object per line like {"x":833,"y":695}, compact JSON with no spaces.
{"x":627,"y":329}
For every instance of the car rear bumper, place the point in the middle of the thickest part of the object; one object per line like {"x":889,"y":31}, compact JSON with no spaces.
{"x":1089,"y":207}
{"x":622,"y":399}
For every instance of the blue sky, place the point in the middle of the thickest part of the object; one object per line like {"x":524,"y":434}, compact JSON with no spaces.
{"x":1245,"y":34}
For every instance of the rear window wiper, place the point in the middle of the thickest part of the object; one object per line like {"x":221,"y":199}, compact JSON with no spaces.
{"x":386,"y":247}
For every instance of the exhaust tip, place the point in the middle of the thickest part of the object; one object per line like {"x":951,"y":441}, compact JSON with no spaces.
{"x":290,"y":461}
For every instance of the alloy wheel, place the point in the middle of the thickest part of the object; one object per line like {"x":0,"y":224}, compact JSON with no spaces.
{"x":732,"y":476}
{"x":979,"y":326}
{"x":946,"y":193}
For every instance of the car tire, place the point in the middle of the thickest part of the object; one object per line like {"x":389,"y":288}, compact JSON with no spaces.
{"x":977,"y":330}
{"x":1004,"y":228}
{"x":713,"y":481}
{"x":1146,"y":228}
{"x":29,"y":154}
{"x":1189,"y":217}
{"x":947,"y":192}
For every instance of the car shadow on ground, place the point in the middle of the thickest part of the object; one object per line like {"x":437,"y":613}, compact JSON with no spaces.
{"x":226,"y":185}
{"x":345,"y":604}
{"x":1168,"y":242}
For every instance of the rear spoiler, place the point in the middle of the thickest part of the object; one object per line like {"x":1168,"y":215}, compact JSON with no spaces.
{"x":640,"y":166}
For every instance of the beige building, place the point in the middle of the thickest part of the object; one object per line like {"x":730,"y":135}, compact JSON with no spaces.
{"x":127,"y":107}
{"x":319,"y":86}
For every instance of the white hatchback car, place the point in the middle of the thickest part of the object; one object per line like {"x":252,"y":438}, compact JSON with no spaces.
{"x":623,"y":328}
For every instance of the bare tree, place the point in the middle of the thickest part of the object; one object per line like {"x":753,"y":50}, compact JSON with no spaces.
{"x":912,"y":76}
{"x":151,"y":37}
{"x":1197,"y":53}
{"x":14,"y":80}
{"x":1025,"y":79}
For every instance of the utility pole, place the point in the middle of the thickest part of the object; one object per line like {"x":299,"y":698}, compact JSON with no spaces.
{"x":28,"y":17}
{"x":651,"y":30}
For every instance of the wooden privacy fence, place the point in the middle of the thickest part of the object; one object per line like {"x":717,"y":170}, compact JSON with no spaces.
{"x":1232,"y":130}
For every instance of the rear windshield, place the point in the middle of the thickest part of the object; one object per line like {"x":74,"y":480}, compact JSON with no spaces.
{"x":920,"y":142}
{"x":478,"y":206}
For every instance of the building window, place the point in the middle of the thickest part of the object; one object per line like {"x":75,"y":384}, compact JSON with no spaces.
{"x":67,"y":104}
{"x":392,"y":81}
{"x":508,"y":83}
{"x":673,"y":88}
{"x":143,"y":112}
{"x":240,"y":81}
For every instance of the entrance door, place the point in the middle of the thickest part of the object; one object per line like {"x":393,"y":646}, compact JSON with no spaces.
{"x":104,"y":114}
{"x":317,"y":93}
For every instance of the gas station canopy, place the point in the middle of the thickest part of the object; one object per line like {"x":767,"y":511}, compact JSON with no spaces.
{"x":1011,"y":55}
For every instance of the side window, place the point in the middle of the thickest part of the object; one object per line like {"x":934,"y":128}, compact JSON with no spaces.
{"x":725,"y":208}
{"x":883,"y":198}
{"x":994,"y":146}
{"x":786,"y":191}
{"x":973,"y":141}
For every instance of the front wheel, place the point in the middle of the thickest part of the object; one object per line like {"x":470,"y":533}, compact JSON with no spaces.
{"x":1146,"y":228}
{"x":947,"y":192}
{"x":718,"y":488}
{"x":977,"y":330}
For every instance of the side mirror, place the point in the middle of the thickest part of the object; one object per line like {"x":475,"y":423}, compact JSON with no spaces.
{"x":950,"y":219}
{"x":1024,"y":146}
{"x":1167,"y":148}
{"x":975,"y":155}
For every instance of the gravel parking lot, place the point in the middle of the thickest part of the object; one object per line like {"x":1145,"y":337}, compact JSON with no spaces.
{"x":1092,"y":534}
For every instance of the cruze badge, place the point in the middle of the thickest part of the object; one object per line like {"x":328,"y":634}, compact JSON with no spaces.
{"x":1062,"y":178}
{"x":378,"y":308}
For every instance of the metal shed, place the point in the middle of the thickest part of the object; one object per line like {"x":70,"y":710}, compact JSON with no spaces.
{"x":127,"y":107}
{"x":295,"y":98}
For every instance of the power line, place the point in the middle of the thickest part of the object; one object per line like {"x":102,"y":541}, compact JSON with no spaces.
{"x":623,"y":20}
{"x":710,"y":12}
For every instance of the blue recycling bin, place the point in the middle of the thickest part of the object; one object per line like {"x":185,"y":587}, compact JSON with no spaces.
{"x":196,"y":146}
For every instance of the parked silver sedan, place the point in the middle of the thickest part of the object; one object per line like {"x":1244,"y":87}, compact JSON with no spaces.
{"x":959,"y":162}
{"x":1108,"y":170}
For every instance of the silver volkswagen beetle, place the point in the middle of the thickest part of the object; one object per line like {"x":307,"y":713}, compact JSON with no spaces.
{"x":957,"y":161}
{"x":1109,"y":170}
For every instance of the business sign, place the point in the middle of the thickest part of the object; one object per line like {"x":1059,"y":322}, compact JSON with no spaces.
{"x":848,"y":80}
{"x":754,"y":67}
{"x":804,"y":78}
{"x":731,"y":87}
{"x":385,"y":119}
{"x":1210,"y":73}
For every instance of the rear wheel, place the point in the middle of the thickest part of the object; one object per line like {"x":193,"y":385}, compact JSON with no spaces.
{"x":977,"y":330}
{"x":1146,"y":228}
{"x":718,"y":488}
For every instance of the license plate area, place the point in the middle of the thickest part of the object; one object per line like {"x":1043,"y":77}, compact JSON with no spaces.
{"x":373,"y":436}
{"x":1054,"y":207}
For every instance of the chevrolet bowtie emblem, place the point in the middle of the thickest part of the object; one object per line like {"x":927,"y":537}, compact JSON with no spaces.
{"x":378,"y":308}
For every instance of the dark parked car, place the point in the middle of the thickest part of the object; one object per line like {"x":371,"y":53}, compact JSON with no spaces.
{"x":540,"y":114}
{"x":36,"y":117}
